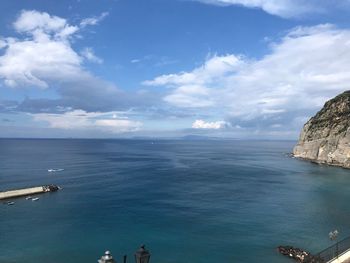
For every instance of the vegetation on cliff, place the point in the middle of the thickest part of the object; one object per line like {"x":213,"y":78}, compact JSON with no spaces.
{"x":325,"y":137}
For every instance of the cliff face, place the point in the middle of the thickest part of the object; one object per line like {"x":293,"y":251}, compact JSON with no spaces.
{"x":325,"y":138}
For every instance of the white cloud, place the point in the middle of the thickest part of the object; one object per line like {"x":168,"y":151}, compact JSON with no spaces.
{"x":305,"y":68}
{"x":200,"y":124}
{"x":82,"y":120}
{"x":190,"y":96}
{"x":36,"y":62}
{"x":91,"y":21}
{"x":285,"y":8}
{"x":215,"y":67}
{"x":44,"y":55}
{"x":193,"y":88}
{"x":41,"y":24}
{"x":89,"y":54}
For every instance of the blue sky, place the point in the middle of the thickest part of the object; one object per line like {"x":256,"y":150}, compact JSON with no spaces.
{"x":169,"y":68}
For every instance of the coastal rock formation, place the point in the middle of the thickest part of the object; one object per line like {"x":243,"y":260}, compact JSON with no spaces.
{"x":325,"y":138}
{"x":298,"y":254}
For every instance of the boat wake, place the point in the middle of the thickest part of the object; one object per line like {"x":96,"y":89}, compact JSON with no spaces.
{"x":55,"y":170}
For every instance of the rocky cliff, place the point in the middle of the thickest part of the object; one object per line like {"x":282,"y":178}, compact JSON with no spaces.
{"x":325,"y":138}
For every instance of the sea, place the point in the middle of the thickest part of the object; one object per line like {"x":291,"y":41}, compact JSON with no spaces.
{"x":199,"y":201}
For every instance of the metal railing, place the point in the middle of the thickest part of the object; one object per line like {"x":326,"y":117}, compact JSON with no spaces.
{"x":335,"y":250}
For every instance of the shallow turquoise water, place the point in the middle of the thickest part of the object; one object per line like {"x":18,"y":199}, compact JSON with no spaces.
{"x":188,"y":201}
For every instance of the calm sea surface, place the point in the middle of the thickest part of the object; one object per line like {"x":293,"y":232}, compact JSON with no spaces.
{"x":188,"y":201}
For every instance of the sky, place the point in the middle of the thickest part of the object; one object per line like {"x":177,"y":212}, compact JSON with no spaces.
{"x":250,"y":69}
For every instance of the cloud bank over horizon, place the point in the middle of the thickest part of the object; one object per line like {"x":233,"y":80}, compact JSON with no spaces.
{"x":308,"y":66}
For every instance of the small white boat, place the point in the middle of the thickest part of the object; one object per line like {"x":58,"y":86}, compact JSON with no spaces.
{"x":28,"y":197}
{"x":35,"y":199}
{"x":10,"y":203}
{"x":55,"y":170}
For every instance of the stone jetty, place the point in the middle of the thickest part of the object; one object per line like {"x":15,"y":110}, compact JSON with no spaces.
{"x":28,"y":191}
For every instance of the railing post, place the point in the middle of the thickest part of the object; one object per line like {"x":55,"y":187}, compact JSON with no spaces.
{"x":336,"y":249}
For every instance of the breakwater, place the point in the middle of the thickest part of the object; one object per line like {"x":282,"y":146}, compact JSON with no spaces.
{"x":28,"y":191}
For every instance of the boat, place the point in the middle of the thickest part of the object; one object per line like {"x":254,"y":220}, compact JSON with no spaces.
{"x":28,"y":197}
{"x":55,"y":170}
{"x":10,"y":203}
{"x":35,"y":199}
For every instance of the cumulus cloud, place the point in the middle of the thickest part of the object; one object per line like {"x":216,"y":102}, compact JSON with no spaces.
{"x":284,"y":8}
{"x":82,"y":120}
{"x":200,"y":124}
{"x":46,"y":55}
{"x":40,"y":24}
{"x":303,"y":69}
{"x":43,"y":57}
{"x":36,"y":62}
{"x":193,"y":89}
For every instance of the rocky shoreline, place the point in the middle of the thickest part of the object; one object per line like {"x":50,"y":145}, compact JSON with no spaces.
{"x":298,"y":254}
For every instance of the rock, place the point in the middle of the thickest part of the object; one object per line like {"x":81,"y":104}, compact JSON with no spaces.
{"x":298,"y":254}
{"x":325,"y":138}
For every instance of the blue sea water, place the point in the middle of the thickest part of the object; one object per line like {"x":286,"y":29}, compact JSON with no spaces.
{"x":188,"y":201}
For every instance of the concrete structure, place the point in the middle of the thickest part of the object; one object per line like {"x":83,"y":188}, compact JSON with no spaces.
{"x":342,"y":258}
{"x":28,"y":191}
